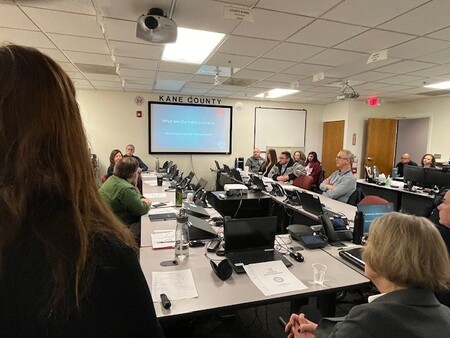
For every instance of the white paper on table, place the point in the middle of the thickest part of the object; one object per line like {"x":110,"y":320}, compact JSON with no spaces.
{"x":163,"y":239}
{"x":156,"y":211}
{"x":273,"y":278}
{"x":156,"y":195}
{"x":176,"y":285}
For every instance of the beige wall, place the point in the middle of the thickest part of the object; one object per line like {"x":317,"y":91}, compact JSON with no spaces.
{"x":111,"y":122}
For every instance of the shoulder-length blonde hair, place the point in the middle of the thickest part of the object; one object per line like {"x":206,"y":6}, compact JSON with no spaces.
{"x":409,"y":251}
{"x":41,"y":133}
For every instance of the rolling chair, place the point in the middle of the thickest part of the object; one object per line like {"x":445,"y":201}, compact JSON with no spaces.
{"x":373,"y":199}
{"x":304,"y":182}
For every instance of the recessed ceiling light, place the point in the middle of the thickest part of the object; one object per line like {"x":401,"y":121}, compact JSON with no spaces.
{"x":277,"y":92}
{"x":439,"y":85}
{"x":192,"y":46}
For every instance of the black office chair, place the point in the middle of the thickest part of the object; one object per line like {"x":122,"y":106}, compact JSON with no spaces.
{"x":356,"y":197}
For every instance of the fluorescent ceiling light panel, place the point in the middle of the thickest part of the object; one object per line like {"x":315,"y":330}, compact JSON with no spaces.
{"x":277,"y":92}
{"x":192,"y":46}
{"x":439,"y":85}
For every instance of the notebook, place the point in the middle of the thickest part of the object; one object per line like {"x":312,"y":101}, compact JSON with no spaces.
{"x":200,"y":229}
{"x":193,"y":209}
{"x":251,"y":240}
{"x":372,"y":211}
{"x":354,"y":256}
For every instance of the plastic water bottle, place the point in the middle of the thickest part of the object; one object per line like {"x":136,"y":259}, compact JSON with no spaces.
{"x":178,"y":197}
{"x":388,"y":181}
{"x":182,"y":237}
{"x":157,"y":164}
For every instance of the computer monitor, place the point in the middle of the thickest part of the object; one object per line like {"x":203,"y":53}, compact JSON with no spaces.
{"x":372,"y":211}
{"x":438,"y":177}
{"x":414,"y":174}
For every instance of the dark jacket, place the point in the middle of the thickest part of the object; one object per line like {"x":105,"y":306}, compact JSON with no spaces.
{"x":277,"y":170}
{"x":400,"y":167}
{"x":142,"y":165}
{"x":118,"y":302}
{"x":403,"y":313}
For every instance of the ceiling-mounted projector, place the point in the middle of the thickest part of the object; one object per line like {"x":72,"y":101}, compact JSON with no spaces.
{"x":155,"y":27}
{"x":347,"y":96}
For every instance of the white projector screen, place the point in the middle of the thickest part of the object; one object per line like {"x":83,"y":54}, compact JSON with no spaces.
{"x":279,"y":128}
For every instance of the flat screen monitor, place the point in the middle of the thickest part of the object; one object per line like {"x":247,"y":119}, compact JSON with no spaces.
{"x":414,"y":174}
{"x":438,"y":177}
{"x":176,"y":128}
{"x":372,"y":211}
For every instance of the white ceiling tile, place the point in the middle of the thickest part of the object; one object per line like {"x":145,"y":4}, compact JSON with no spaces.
{"x":76,"y":75}
{"x":239,"y":45}
{"x":122,"y":30}
{"x":89,"y":58}
{"x":12,"y":17}
{"x":334,"y":57}
{"x":357,"y":66}
{"x":405,"y":67}
{"x":266,"y":25}
{"x":270,"y":84}
{"x":432,"y":16}
{"x":102,"y":77}
{"x":173,"y":76}
{"x":229,"y":60}
{"x":55,"y":54}
{"x":137,"y":72}
{"x":293,"y":52}
{"x":80,"y":44}
{"x":74,"y":6}
{"x":138,"y":86}
{"x":178,"y":67}
{"x":313,"y":8}
{"x":138,"y":80}
{"x":418,"y":47}
{"x":370,"y":13}
{"x":169,"y":85}
{"x":326,"y":33}
{"x":441,"y":57}
{"x":194,"y":91}
{"x":306,"y":69}
{"x":443,"y":34}
{"x":136,"y":50}
{"x":374,"y":40}
{"x":369,"y":76}
{"x":269,"y":65}
{"x":60,"y":22}
{"x":127,"y":62}
{"x":401,"y":79}
{"x":82,"y":84}
{"x":115,"y":89}
{"x":26,"y":38}
{"x":286,"y":77}
{"x":198,"y":85}
{"x":251,"y":74}
{"x":433,"y":71}
{"x":108,"y":84}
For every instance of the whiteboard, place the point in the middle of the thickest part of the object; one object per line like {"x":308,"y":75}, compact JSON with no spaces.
{"x":276,"y":127}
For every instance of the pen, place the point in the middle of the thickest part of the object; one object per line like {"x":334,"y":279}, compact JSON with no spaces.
{"x":166,"y":241}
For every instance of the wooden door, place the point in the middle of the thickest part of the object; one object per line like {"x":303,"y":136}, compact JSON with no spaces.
{"x":332,"y":142}
{"x":381,"y":138}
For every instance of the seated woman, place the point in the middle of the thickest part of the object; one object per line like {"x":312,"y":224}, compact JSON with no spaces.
{"x":313,"y":167}
{"x":300,"y":157}
{"x":116,"y":156}
{"x":428,"y":161}
{"x":271,"y":159}
{"x":407,"y":260}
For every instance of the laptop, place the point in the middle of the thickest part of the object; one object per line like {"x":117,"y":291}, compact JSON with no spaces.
{"x":193,"y":209}
{"x":372,"y":211}
{"x":353,"y":256}
{"x":251,"y":240}
{"x":311,"y":203}
{"x":259,"y":183}
{"x":226,"y":169}
{"x":200,"y":229}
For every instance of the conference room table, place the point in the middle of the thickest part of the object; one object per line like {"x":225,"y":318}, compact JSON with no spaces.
{"x":215,"y":295}
{"x":411,"y":202}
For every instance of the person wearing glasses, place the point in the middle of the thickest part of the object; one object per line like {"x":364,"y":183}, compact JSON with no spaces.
{"x":341,"y":184}
{"x":286,"y":169}
{"x":406,"y":259}
{"x":404,"y":160}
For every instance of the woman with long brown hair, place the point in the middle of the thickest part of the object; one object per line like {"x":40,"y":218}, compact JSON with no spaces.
{"x":68,"y":266}
{"x":271,"y":159}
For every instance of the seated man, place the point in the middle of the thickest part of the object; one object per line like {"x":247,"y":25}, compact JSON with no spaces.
{"x":119,"y":192}
{"x":255,"y":162}
{"x":404,"y":160}
{"x":340,"y":184}
{"x":286,"y":169}
{"x":129,"y":152}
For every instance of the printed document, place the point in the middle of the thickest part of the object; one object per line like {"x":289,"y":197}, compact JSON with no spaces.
{"x":273,"y":278}
{"x":176,"y":285}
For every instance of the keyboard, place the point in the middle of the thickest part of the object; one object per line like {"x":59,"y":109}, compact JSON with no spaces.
{"x":344,"y":235}
{"x":250,"y":257}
